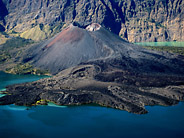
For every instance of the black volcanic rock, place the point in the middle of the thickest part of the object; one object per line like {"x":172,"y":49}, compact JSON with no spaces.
{"x":93,"y":65}
{"x":85,"y":84}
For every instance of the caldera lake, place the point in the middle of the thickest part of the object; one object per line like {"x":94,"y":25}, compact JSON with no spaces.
{"x":87,"y":121}
{"x":173,"y":44}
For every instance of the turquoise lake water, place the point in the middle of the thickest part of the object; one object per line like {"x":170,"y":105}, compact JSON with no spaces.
{"x":174,"y":43}
{"x":86,"y":121}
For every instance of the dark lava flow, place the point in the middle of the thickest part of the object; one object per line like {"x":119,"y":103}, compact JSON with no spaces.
{"x":93,"y":65}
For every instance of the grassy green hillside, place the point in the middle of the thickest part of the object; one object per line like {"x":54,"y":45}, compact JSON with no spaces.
{"x":10,"y":56}
{"x":171,"y":49}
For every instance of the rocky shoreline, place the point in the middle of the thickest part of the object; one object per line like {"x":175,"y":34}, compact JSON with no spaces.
{"x":94,"y":66}
{"x":77,"y":86}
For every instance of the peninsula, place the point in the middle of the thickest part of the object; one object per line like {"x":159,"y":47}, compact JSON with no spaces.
{"x":89,"y":64}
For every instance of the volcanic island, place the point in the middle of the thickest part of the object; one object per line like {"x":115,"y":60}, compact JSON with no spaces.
{"x":91,"y":65}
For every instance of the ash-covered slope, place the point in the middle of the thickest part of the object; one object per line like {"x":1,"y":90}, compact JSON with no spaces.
{"x":75,"y":45}
{"x":72,"y":46}
{"x":100,"y":68}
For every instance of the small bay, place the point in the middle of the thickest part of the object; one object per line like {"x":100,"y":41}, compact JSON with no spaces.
{"x":86,"y":121}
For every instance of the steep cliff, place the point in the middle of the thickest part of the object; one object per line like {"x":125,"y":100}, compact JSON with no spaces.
{"x":133,"y":20}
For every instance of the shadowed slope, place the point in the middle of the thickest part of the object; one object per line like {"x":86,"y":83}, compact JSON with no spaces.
{"x":75,"y":45}
{"x":100,"y":68}
{"x":70,"y":47}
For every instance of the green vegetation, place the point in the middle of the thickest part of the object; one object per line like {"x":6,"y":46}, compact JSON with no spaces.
{"x":41,"y":102}
{"x":10,"y":52}
{"x":26,"y":69}
{"x":46,"y":102}
{"x":171,"y":49}
{"x":4,"y":57}
{"x":7,"y":49}
{"x":15,"y":42}
{"x":41,"y":31}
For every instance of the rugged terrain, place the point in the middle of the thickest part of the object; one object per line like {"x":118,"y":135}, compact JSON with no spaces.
{"x":133,"y":20}
{"x":93,"y":65}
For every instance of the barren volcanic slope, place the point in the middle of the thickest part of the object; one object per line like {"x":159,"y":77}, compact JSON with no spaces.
{"x":93,"y":65}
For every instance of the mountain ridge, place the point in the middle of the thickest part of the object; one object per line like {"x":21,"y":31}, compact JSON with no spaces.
{"x":135,"y":20}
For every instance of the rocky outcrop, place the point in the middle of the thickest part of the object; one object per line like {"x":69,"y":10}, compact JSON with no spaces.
{"x":75,"y":45}
{"x":133,"y":20}
{"x":3,"y":13}
{"x":99,"y":67}
{"x":92,"y":83}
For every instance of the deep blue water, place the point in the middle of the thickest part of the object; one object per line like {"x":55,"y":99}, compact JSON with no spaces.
{"x":86,"y":121}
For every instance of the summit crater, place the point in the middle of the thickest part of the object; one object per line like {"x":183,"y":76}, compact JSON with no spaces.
{"x":99,"y":67}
